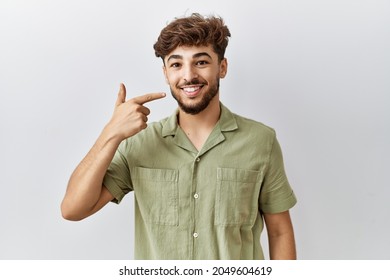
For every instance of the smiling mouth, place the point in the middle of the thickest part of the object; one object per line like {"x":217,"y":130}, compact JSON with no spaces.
{"x":192,"y":90}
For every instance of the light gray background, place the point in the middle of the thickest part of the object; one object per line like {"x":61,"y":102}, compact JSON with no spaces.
{"x":316,"y":71}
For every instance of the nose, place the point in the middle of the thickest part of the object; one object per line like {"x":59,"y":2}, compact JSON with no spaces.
{"x":189,"y":73}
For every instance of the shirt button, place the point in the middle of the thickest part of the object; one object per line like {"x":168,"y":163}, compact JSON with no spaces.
{"x":196,"y":196}
{"x":197,"y":159}
{"x":195,"y":234}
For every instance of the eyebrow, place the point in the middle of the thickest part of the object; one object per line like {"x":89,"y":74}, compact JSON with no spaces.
{"x":197,"y":55}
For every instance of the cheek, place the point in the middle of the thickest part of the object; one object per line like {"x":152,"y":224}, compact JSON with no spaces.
{"x":217,"y":72}
{"x":171,"y":82}
{"x":171,"y":78}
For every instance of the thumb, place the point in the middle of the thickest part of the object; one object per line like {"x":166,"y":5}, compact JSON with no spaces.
{"x":121,"y":95}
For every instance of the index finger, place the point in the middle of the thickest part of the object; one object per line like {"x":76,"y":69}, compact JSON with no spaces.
{"x":148,"y":97}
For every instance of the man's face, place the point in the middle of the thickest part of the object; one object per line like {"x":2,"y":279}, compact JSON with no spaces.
{"x":193,"y":75}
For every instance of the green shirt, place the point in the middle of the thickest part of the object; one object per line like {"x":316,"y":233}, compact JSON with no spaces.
{"x":205,"y":204}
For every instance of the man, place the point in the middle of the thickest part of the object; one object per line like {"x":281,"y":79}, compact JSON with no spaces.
{"x":203,"y":179}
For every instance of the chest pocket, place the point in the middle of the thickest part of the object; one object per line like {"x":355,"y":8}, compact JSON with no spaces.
{"x":156,"y":195}
{"x":236,"y":197}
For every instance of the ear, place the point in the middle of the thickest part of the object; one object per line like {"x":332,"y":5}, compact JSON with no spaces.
{"x":223,"y":68}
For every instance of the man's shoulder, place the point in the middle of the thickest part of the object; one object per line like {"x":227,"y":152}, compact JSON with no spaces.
{"x":252,"y":133}
{"x":253,"y":126}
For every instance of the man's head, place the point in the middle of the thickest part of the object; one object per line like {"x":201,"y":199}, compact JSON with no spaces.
{"x":194,"y":30}
{"x":193,"y":50}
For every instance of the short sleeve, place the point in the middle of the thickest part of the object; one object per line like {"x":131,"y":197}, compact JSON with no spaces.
{"x":276,"y":194}
{"x":117,"y":178}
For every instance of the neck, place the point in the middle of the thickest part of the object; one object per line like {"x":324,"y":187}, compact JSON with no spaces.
{"x":203,"y":120}
{"x":198,"y":127}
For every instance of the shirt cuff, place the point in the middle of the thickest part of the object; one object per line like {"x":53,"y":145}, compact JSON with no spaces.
{"x":116,"y":191}
{"x":280,"y":206}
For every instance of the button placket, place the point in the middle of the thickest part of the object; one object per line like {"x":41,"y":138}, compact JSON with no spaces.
{"x":195,"y":196}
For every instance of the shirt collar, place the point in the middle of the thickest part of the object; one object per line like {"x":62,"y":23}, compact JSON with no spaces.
{"x":227,"y":122}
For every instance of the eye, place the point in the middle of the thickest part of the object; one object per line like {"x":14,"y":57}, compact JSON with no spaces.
{"x":175,"y":65}
{"x":202,"y":62}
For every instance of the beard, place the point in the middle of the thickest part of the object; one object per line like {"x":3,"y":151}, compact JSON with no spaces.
{"x":202,"y":104}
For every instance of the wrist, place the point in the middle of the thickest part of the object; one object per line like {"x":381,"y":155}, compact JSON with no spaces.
{"x":110,"y":135}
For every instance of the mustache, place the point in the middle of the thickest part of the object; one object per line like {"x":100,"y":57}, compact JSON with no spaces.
{"x":194,"y":81}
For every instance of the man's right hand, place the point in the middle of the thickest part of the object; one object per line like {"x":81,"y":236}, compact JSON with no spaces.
{"x":130,"y":117}
{"x":85,"y":193}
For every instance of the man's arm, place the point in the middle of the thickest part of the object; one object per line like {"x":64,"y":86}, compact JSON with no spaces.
{"x":280,"y":236}
{"x":85,"y":193}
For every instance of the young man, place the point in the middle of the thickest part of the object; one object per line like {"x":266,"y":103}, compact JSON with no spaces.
{"x":204,"y":178}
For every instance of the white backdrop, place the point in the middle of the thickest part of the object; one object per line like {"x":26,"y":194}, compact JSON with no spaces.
{"x":316,"y":71}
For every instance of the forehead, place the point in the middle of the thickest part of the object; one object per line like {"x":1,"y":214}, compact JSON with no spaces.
{"x":188,"y":52}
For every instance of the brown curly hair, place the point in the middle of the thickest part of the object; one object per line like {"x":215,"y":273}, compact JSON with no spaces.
{"x":194,"y":30}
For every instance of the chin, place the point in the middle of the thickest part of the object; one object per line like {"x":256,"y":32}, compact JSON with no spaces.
{"x":196,"y":104}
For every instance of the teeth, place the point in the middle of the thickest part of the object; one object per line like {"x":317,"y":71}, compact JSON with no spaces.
{"x":190,"y":89}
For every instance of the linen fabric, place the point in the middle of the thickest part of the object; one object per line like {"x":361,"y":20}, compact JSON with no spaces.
{"x":205,"y":204}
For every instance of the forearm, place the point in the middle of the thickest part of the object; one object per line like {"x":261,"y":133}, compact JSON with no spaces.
{"x":280,"y":236}
{"x":282,"y":247}
{"x":85,"y":184}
